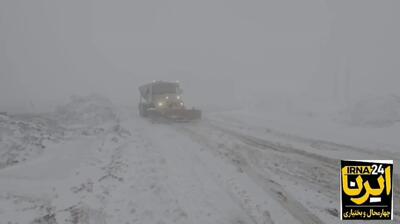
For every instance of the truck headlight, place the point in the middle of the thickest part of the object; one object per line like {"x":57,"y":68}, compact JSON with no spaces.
{"x":178,"y":97}
{"x":160,"y":104}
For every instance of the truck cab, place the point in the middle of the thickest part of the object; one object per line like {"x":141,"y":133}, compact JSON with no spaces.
{"x":164,"y":99}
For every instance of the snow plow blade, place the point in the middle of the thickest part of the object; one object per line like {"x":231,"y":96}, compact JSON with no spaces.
{"x":183,"y":115}
{"x":176,"y":115}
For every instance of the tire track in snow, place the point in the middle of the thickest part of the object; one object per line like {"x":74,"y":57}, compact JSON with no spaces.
{"x":292,"y":154}
{"x":329,"y":163}
{"x":328,"y":166}
{"x":194,"y":179}
{"x":314,"y":143}
{"x":295,"y":208}
{"x":141,"y":194}
{"x":268,"y":145}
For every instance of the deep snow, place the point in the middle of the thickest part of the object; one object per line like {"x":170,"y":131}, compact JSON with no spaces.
{"x":104,"y":164}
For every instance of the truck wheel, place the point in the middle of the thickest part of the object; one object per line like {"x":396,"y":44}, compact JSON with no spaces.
{"x":142,"y":110}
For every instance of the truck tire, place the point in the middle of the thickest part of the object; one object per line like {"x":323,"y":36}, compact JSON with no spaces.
{"x":142,"y":110}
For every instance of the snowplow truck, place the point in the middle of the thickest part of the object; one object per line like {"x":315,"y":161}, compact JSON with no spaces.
{"x":161,"y":99}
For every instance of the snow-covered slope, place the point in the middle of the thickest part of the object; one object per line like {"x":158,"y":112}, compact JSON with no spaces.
{"x":25,"y":136}
{"x":86,"y":111}
{"x":22,"y":138}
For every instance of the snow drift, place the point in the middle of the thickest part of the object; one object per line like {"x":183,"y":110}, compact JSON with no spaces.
{"x":23,"y":137}
{"x":27,"y":136}
{"x":86,"y":111}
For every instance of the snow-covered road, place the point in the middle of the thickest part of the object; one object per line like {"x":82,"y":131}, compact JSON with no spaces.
{"x":211,"y":171}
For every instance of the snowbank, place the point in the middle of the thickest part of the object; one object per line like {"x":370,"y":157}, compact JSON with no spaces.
{"x":86,"y":111}
{"x":372,"y":123}
{"x":25,"y":136}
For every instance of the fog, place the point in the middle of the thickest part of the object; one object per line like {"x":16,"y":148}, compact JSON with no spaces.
{"x":223,"y":52}
{"x":280,"y":98}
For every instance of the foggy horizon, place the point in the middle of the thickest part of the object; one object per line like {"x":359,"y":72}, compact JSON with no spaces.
{"x":53,"y":49}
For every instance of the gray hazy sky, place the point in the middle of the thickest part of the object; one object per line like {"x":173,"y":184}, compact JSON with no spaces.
{"x":52,"y":49}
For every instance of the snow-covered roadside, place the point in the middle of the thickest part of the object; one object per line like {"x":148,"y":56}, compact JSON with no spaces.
{"x":44,"y":155}
{"x":374,"y":139}
{"x":25,"y":137}
{"x":305,"y":172}
{"x":133,"y":172}
{"x":310,"y":139}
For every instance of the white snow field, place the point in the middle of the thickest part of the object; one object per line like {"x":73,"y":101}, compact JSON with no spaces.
{"x":123,"y":169}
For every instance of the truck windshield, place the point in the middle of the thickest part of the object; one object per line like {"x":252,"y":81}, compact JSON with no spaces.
{"x":165,"y":88}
